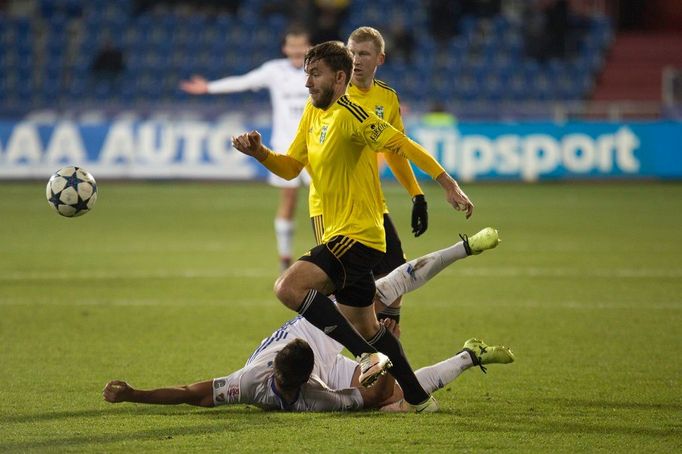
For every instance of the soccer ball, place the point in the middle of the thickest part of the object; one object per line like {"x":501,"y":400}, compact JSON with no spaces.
{"x":71,"y":191}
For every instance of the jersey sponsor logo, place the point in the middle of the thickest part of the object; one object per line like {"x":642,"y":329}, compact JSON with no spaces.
{"x":534,"y":153}
{"x":377,"y":129}
{"x":379,"y":110}
{"x":323,"y":133}
{"x":233,"y":392}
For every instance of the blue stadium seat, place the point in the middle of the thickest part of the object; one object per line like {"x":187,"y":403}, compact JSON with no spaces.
{"x":483,"y":65}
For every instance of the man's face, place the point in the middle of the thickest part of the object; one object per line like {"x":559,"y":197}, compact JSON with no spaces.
{"x":295,"y":47}
{"x":320,"y":83}
{"x":366,"y":58}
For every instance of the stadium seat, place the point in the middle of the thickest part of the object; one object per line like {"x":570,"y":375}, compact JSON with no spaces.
{"x":484,"y":64}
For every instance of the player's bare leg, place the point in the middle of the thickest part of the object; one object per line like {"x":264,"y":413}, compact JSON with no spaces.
{"x":285,"y":225}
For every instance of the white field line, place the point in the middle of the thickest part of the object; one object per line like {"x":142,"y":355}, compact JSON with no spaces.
{"x":563,"y":304}
{"x":527,"y":272}
{"x":532,"y":304}
{"x":14,"y":301}
{"x":131,"y":275}
{"x":568,"y":272}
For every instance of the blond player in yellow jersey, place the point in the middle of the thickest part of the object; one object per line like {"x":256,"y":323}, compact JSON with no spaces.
{"x":368,"y":49}
{"x":337,"y":141}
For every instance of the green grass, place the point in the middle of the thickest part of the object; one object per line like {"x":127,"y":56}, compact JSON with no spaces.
{"x":171,"y":283}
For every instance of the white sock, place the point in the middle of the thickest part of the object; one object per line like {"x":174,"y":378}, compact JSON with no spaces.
{"x":284,"y":231}
{"x":415,"y":273}
{"x":437,"y":376}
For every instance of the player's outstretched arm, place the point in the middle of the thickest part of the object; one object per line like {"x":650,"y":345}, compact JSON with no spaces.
{"x":199,"y":394}
{"x":250,"y":144}
{"x":197,"y":85}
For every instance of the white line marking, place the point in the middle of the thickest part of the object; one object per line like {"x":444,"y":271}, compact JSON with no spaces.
{"x":256,"y":273}
{"x":131,"y":274}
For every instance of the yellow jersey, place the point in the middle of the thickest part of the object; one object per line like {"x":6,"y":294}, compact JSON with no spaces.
{"x":383,"y":101}
{"x":338,"y":147}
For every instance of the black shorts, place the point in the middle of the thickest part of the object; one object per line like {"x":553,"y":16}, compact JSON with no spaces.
{"x":348,"y":264}
{"x":394,"y":256}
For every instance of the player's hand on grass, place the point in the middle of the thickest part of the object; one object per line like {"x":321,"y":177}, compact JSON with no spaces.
{"x":197,"y":85}
{"x":454,"y":194}
{"x":420,"y":215}
{"x":116,"y":391}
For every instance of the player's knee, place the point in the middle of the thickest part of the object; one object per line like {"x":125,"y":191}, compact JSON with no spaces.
{"x":286,"y":293}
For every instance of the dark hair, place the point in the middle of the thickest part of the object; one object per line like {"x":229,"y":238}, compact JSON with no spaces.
{"x":294,"y":364}
{"x":334,"y":54}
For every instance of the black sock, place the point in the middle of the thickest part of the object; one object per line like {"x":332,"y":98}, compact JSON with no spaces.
{"x":323,"y":313}
{"x":387,"y":344}
{"x":390,"y":312}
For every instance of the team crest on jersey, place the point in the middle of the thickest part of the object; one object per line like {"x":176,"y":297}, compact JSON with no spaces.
{"x":323,"y":133}
{"x":379,"y":110}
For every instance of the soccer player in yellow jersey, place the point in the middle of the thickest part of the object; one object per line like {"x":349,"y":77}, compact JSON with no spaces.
{"x":336,"y":140}
{"x":367,"y":47}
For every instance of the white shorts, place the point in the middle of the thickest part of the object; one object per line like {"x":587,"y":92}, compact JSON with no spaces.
{"x":341,"y":373}
{"x":279,"y":182}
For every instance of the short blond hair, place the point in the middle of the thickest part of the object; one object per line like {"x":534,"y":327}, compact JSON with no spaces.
{"x":364,"y":34}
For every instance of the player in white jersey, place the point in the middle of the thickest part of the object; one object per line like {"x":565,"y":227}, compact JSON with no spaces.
{"x":285,"y":79}
{"x":299,"y":368}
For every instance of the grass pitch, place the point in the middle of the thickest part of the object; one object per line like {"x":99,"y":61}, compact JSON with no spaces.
{"x":170,"y":283}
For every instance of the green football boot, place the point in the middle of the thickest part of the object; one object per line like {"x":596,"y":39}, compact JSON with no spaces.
{"x":487,"y":238}
{"x":481,"y":353}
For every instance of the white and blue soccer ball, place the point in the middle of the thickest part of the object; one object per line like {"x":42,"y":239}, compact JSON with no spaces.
{"x":71,"y":191}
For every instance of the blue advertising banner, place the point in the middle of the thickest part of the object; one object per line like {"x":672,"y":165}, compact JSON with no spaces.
{"x":470,"y":151}
{"x":542,"y":151}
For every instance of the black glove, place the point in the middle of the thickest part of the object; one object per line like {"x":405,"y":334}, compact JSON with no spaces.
{"x":420,"y":217}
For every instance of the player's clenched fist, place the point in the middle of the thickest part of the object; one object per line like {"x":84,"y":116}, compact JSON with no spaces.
{"x":116,"y":391}
{"x":249,"y":143}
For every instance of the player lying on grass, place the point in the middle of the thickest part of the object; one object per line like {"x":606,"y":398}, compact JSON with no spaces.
{"x":299,"y":368}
